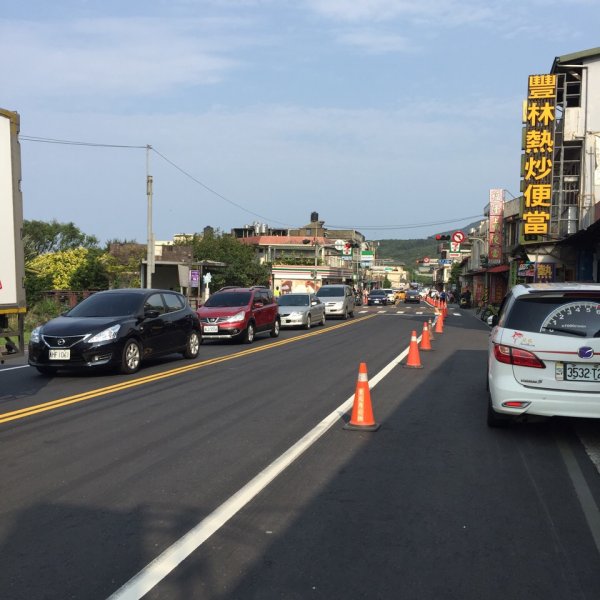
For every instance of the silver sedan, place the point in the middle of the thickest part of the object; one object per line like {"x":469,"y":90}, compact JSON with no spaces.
{"x":301,"y":310}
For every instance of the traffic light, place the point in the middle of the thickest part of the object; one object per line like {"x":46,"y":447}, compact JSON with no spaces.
{"x":442,"y":237}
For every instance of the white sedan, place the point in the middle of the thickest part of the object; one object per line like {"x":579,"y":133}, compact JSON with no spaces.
{"x":301,"y":310}
{"x":544,"y":353}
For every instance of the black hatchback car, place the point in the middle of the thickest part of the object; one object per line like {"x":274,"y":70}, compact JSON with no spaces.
{"x":116,"y":328}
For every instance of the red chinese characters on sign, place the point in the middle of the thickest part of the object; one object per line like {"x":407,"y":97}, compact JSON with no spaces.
{"x":539,"y":115}
{"x":495,"y":227}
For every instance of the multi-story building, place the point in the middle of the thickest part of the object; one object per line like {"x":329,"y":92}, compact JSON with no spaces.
{"x":307,"y":257}
{"x":552,"y":231}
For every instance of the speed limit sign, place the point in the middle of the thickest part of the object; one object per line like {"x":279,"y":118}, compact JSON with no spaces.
{"x":458,"y":237}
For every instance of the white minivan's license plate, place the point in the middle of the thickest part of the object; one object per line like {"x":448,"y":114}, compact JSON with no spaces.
{"x":60,"y":354}
{"x":211,"y":329}
{"x":579,"y":372}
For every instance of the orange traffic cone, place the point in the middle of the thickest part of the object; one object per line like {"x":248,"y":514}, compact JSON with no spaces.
{"x":425,"y":341}
{"x":430,"y":328}
{"x":414,"y":360}
{"x":439,"y":326}
{"x":445,"y":309}
{"x":362,"y":411}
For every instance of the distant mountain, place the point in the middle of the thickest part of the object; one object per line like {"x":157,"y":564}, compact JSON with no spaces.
{"x":409,"y":251}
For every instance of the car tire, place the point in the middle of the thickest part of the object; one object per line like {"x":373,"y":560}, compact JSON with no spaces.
{"x":248,"y":335}
{"x":131,"y":357}
{"x":275,"y":329}
{"x":308,"y":320}
{"x":192,"y":346}
{"x":323,"y":319}
{"x":345,"y":315}
{"x":47,"y":371}
{"x":494,"y":419}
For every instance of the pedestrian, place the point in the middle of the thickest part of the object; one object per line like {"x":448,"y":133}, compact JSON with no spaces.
{"x":277,"y":292}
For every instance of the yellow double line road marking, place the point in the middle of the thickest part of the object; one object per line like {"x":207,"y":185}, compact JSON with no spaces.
{"x":54,"y":404}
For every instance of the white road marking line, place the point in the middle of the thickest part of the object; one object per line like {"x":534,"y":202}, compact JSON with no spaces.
{"x":13,"y":368}
{"x":162,"y":565}
{"x":582,"y":490}
{"x":400,"y":312}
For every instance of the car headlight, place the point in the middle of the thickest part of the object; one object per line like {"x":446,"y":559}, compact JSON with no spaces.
{"x":106,"y":335}
{"x":296,"y":315}
{"x":36,"y":335}
{"x":237,"y":317}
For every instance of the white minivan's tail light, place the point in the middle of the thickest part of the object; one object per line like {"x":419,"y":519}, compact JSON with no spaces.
{"x":517,"y":356}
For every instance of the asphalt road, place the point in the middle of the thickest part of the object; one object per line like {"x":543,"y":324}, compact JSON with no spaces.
{"x":103,"y":474}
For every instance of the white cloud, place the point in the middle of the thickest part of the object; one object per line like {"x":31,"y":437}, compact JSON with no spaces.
{"x":374,"y":42}
{"x":116,"y":56}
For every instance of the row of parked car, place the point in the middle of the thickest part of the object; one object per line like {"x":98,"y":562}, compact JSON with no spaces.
{"x":120,"y":328}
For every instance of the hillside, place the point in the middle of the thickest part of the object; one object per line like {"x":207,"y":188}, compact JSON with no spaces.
{"x":409,"y":251}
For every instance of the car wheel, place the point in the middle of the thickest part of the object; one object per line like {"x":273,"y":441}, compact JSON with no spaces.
{"x":47,"y":371}
{"x":495,"y":419}
{"x":248,"y":335}
{"x":275,"y":329}
{"x":131,"y":357}
{"x":192,"y":347}
{"x":307,"y":326}
{"x":345,"y":315}
{"x":323,"y":319}
{"x":351,"y":313}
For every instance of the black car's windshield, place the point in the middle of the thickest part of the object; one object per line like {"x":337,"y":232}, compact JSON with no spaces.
{"x":108,"y":305}
{"x":326,"y":292}
{"x":293,"y":300}
{"x":228,"y":299}
{"x":378,"y":293}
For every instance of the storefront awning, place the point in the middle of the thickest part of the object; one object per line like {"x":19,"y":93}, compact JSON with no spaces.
{"x":499,"y":269}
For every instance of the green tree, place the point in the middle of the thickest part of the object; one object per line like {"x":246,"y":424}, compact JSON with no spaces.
{"x":77,"y":269}
{"x":241,"y":268}
{"x":455,"y":272}
{"x":40,"y":237}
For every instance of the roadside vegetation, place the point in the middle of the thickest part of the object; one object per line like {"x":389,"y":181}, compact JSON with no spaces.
{"x":61,"y":260}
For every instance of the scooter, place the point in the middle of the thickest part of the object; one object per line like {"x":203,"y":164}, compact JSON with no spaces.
{"x":464,"y":302}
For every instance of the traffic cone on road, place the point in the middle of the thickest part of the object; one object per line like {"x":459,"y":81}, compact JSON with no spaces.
{"x":430,"y":328}
{"x":445,"y":309}
{"x":362,"y":411}
{"x":425,"y":341}
{"x":439,"y":326}
{"x":413,"y":360}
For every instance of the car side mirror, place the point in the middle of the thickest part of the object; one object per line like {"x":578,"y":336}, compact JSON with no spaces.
{"x":314,"y":303}
{"x":258,"y":304}
{"x":151,"y":313}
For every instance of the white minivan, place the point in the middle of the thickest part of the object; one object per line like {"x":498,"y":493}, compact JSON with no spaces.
{"x":338,"y":299}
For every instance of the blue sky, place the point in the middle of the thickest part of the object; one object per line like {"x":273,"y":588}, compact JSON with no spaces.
{"x":389,"y":117}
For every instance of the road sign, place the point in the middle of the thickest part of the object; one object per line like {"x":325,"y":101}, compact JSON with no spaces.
{"x":339,"y":245}
{"x":458,"y":237}
{"x":426,"y":259}
{"x":454,"y":247}
{"x":445,"y":261}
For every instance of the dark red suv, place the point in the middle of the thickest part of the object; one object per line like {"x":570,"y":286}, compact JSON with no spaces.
{"x":239,"y":313}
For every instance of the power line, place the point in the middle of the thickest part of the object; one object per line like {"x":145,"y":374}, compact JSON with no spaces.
{"x":408,"y":226}
{"x":28,"y":138}
{"x":209,"y":189}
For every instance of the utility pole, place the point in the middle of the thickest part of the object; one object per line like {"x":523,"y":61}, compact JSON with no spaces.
{"x":150,"y":249}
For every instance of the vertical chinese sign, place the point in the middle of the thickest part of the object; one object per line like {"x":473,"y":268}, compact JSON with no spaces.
{"x":495,"y":227}
{"x":539,"y":111}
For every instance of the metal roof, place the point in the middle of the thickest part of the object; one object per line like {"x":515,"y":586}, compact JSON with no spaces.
{"x":575,"y":57}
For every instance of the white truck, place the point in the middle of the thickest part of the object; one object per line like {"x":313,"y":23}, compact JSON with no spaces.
{"x":12,"y":263}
